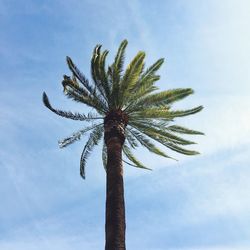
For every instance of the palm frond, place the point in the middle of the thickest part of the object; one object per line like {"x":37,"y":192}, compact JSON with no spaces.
{"x":68,"y":114}
{"x":150,"y":128}
{"x":130,"y":138}
{"x":119,"y":58}
{"x":80,"y":76}
{"x":93,"y":140}
{"x":164,"y":113}
{"x":131,"y":76}
{"x":183,"y":130}
{"x":149,"y":74}
{"x":162,"y":98}
{"x":103,"y":74}
{"x":145,"y":87}
{"x":95,"y":102}
{"x":181,"y":150}
{"x":98,"y":73}
{"x":166,"y":142}
{"x":147,"y":143}
{"x":77,"y":135}
{"x":152,"y":69}
{"x":132,"y":158}
{"x":114,"y":73}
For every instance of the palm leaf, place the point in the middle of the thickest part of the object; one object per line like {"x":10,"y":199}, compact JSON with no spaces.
{"x":144,"y":88}
{"x":164,"y":113}
{"x":132,"y":158}
{"x":119,"y":58}
{"x":181,"y":150}
{"x":79,"y":75}
{"x":165,"y":142}
{"x":76,"y":136}
{"x":131,"y":75}
{"x":163,"y":98}
{"x":114,"y":72}
{"x":152,"y":69}
{"x":93,"y":140}
{"x":67,"y":114}
{"x":96,"y":103}
{"x":183,"y":130}
{"x":99,"y":78}
{"x":130,"y":138}
{"x":150,"y":128}
{"x":147,"y":143}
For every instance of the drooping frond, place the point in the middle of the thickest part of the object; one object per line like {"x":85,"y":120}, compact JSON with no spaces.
{"x":130,"y":139}
{"x":183,"y":130}
{"x":149,"y":128}
{"x":68,"y":114}
{"x":93,"y":140}
{"x":76,"y":136}
{"x":132,"y":158}
{"x":181,"y":150}
{"x":167,"y":141}
{"x":144,"y":141}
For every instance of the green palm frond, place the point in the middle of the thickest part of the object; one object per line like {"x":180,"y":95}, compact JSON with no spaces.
{"x":132,"y":158}
{"x":163,"y":98}
{"x":77,"y":135}
{"x":114,"y":73}
{"x":68,"y":114}
{"x":93,"y":140}
{"x":130,"y":138}
{"x":131,"y":76}
{"x":98,"y":72}
{"x":152,"y":69}
{"x":144,"y":141}
{"x":73,"y":84}
{"x":181,"y":150}
{"x":96,"y":103}
{"x":183,"y":130}
{"x":157,"y":132}
{"x":73,"y":91}
{"x":171,"y":144}
{"x":119,"y":60}
{"x":164,"y":113}
{"x":77,"y":73}
{"x":146,"y":87}
{"x":103,"y":74}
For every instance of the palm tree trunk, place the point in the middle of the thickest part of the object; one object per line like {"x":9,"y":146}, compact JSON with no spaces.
{"x":115,"y":207}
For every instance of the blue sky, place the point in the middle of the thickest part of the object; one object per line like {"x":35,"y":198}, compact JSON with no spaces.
{"x":199,"y":203}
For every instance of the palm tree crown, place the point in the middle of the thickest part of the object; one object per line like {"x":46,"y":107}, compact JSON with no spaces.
{"x":128,"y":99}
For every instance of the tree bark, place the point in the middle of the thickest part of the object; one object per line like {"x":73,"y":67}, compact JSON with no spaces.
{"x":115,"y":206}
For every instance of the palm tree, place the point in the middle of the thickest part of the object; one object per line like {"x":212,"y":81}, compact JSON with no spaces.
{"x":128,"y":113}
